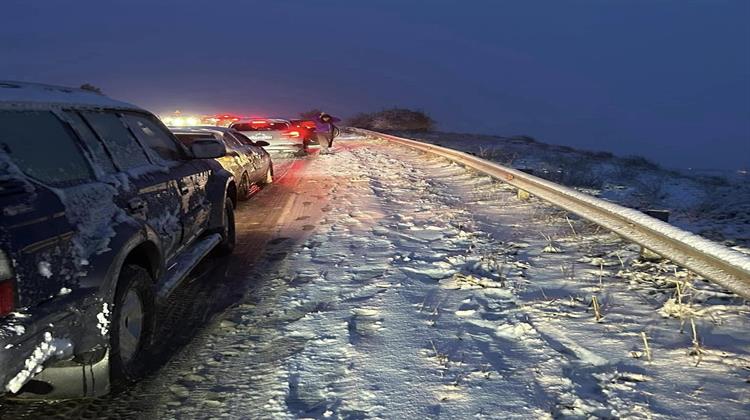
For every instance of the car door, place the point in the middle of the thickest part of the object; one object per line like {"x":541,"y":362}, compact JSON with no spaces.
{"x":147,"y":193}
{"x":242,"y":156}
{"x":232,"y":161}
{"x":254,"y":154}
{"x":190,"y":176}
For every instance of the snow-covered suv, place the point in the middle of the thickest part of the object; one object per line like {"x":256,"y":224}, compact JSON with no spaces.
{"x":102,"y":214}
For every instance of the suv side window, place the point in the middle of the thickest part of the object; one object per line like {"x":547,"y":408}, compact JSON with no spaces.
{"x":231,"y":141}
{"x":153,"y":136}
{"x":243,"y":139}
{"x":43,"y":147}
{"x":125,"y":150}
{"x":99,"y":155}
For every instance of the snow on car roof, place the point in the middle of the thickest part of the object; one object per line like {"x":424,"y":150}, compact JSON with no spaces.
{"x":24,"y":93}
{"x":193,"y":130}
{"x":247,"y":120}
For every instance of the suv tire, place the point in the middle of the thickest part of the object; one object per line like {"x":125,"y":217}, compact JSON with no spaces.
{"x":244,"y":190}
{"x":131,"y":325}
{"x":226,"y":246}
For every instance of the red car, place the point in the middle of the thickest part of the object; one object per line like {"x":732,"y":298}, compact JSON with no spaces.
{"x":306,"y":130}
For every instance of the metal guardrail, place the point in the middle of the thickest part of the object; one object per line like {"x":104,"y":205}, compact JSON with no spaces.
{"x":724,"y":266}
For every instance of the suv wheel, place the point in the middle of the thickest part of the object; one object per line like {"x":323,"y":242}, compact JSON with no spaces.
{"x":244,"y":190}
{"x":226,"y":246}
{"x":132,"y":324}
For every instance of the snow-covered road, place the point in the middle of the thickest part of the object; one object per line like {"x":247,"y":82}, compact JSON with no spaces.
{"x":414,"y":288}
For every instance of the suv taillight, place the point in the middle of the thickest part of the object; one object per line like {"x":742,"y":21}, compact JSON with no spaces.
{"x":7,"y":288}
{"x":7,"y":297}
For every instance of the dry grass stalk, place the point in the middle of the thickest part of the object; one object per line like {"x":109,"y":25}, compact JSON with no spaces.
{"x":696,"y":350}
{"x":597,"y":310}
{"x":645,"y":345}
{"x":571,"y":227}
{"x":622,"y":263}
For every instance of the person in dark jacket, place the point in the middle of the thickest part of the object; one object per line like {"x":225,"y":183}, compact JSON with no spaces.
{"x":325,"y":130}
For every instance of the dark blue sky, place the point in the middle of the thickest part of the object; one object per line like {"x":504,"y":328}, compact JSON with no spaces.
{"x":668,"y":79}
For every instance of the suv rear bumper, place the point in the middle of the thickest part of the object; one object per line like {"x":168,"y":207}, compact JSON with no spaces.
{"x":35,"y":345}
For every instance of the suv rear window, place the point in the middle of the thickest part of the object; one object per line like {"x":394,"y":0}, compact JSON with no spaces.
{"x":125,"y":150}
{"x":273,"y":126}
{"x":43,"y":147}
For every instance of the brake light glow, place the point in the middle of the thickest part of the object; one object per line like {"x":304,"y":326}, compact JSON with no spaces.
{"x":259,"y":122}
{"x":293,"y":133}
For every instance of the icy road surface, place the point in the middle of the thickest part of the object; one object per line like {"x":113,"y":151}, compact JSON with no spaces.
{"x":394,"y":284}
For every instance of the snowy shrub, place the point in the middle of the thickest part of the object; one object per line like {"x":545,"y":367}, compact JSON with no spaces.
{"x":401,"y":119}
{"x":494,"y":154}
{"x":575,"y":172}
{"x":639,"y":162}
{"x":599,"y":155}
{"x":523,"y":139}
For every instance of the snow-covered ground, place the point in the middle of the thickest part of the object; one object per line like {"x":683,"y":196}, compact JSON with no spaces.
{"x":426,"y":290}
{"x":714,"y":204}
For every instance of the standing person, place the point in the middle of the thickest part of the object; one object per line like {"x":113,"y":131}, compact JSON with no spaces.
{"x":325,"y":131}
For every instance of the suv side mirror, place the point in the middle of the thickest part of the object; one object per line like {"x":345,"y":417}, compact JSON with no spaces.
{"x":208,"y":149}
{"x":262,"y":143}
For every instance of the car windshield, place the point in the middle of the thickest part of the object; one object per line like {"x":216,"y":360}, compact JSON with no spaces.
{"x":269,"y":126}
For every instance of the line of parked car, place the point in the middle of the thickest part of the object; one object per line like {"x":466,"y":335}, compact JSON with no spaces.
{"x":295,"y":136}
{"x":105,"y":211}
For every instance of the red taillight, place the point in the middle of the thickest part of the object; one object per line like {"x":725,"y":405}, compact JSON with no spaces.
{"x":259,"y":122}
{"x":292,"y":133}
{"x":7,"y":297}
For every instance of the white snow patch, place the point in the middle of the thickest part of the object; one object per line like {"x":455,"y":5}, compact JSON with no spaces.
{"x":103,"y":319}
{"x":45,"y":269}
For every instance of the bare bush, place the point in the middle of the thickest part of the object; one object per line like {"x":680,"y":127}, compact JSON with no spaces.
{"x":395,"y":119}
{"x":575,"y":172}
